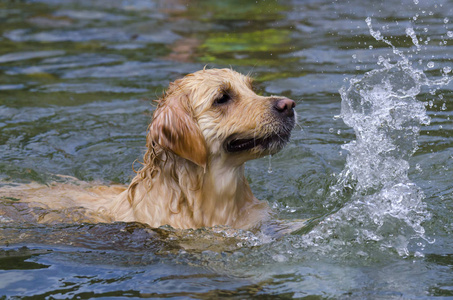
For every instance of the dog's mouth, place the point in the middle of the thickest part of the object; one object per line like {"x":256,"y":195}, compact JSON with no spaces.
{"x":273,"y":143}
{"x":237,"y":145}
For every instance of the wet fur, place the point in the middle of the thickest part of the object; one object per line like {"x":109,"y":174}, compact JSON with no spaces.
{"x":188,"y":178}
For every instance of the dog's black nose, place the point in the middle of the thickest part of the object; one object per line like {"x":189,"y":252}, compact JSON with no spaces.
{"x":285,"y":106}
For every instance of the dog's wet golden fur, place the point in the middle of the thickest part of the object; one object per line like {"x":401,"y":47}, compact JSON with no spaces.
{"x":207,"y":125}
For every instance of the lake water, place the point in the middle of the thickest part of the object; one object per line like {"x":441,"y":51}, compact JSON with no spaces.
{"x":371,"y":162}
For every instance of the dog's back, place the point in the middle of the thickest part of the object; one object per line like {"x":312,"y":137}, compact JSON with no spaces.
{"x":62,"y":202}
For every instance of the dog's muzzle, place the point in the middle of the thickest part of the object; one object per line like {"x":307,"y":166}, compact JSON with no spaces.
{"x":275,"y":139}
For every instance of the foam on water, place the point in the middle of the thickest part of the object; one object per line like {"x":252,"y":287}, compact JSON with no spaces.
{"x":384,"y":207}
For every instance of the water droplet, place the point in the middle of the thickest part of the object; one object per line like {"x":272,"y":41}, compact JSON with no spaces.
{"x":430,"y":64}
{"x":269,"y":170}
{"x":331,"y":130}
{"x":380,"y":60}
{"x":450,"y":34}
{"x":418,"y":168}
{"x":444,"y":106}
{"x":354,"y":56}
{"x":446,"y":20}
{"x":446,"y":70}
{"x":370,"y":47}
{"x":415,"y":2}
{"x":419,"y":254}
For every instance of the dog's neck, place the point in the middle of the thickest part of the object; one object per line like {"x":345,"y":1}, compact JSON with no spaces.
{"x":184,"y":195}
{"x":224,"y":195}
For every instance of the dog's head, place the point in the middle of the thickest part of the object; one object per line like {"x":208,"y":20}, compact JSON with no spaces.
{"x":214,"y":113}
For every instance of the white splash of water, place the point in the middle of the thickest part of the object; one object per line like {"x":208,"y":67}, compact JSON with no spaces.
{"x":385,"y":207}
{"x":410,"y":32}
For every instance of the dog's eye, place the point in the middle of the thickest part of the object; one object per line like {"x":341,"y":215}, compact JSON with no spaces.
{"x":224,"y":98}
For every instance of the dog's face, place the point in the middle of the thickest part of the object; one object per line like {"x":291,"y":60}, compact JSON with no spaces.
{"x":215,"y":113}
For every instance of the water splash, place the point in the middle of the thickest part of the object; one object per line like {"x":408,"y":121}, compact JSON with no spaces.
{"x":410,"y":32}
{"x":385,"y":208}
{"x":386,"y":118}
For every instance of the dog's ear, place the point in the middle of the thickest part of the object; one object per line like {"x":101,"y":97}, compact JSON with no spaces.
{"x":174,"y":129}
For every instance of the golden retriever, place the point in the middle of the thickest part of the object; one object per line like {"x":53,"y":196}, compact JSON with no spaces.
{"x":207,"y":125}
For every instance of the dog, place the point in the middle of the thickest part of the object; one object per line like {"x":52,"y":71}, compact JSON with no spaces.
{"x":205,"y":127}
